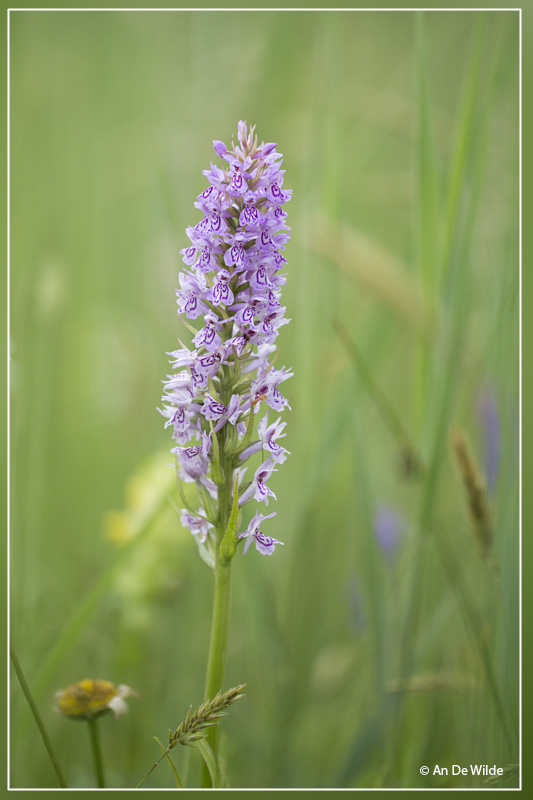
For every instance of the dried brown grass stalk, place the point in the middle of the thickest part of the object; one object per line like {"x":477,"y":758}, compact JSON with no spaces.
{"x":475,"y":490}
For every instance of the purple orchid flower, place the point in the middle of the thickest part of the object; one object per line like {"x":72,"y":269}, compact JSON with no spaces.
{"x":265,"y":544}
{"x":230,"y":290}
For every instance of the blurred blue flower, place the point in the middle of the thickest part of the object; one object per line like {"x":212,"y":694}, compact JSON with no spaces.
{"x":389,"y":527}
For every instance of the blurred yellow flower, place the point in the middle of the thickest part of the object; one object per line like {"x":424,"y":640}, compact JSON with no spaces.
{"x":88,"y":699}
{"x":147,"y":494}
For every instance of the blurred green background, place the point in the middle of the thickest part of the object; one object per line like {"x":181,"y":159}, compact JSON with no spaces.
{"x":379,"y":638}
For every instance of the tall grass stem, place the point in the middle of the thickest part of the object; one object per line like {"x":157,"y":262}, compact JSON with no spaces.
{"x":166,"y":754}
{"x":37,"y":717}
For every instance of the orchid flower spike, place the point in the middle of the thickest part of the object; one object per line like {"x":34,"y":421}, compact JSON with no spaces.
{"x":229,"y":298}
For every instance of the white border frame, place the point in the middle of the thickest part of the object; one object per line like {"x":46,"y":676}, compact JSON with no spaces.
{"x":520,"y":620}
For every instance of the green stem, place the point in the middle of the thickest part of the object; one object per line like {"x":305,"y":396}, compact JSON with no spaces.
{"x":221,"y":604}
{"x":210,"y":762}
{"x":218,"y":645}
{"x":37,"y":717}
{"x":97,"y":752}
{"x":166,"y":754}
{"x":219,"y":632}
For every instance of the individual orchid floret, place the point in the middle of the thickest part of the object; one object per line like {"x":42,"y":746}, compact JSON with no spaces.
{"x":213,"y":410}
{"x":267,"y":441}
{"x":209,"y":336}
{"x":258,"y":488}
{"x":198,"y":525}
{"x":265,"y":544}
{"x":193,"y":460}
{"x":265,"y":387}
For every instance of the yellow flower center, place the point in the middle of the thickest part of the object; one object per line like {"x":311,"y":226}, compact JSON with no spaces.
{"x":86,"y":698}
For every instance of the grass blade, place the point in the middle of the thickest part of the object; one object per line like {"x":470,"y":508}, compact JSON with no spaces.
{"x":37,"y":717}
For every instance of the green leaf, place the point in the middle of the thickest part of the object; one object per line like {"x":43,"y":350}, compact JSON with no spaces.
{"x":242,"y":388}
{"x":213,"y":392}
{"x":207,"y":502}
{"x":189,"y":327}
{"x":228,"y":544}
{"x":183,"y":499}
{"x":248,"y":435}
{"x":211,"y":762}
{"x":217,"y":472}
{"x":166,"y":754}
{"x":232,"y":439}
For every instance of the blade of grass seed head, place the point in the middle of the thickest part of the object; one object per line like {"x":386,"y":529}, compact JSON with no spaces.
{"x":166,"y":754}
{"x":476,"y":496}
{"x":378,"y":270}
{"x":37,"y":717}
{"x":211,"y":761}
{"x":196,"y":725}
